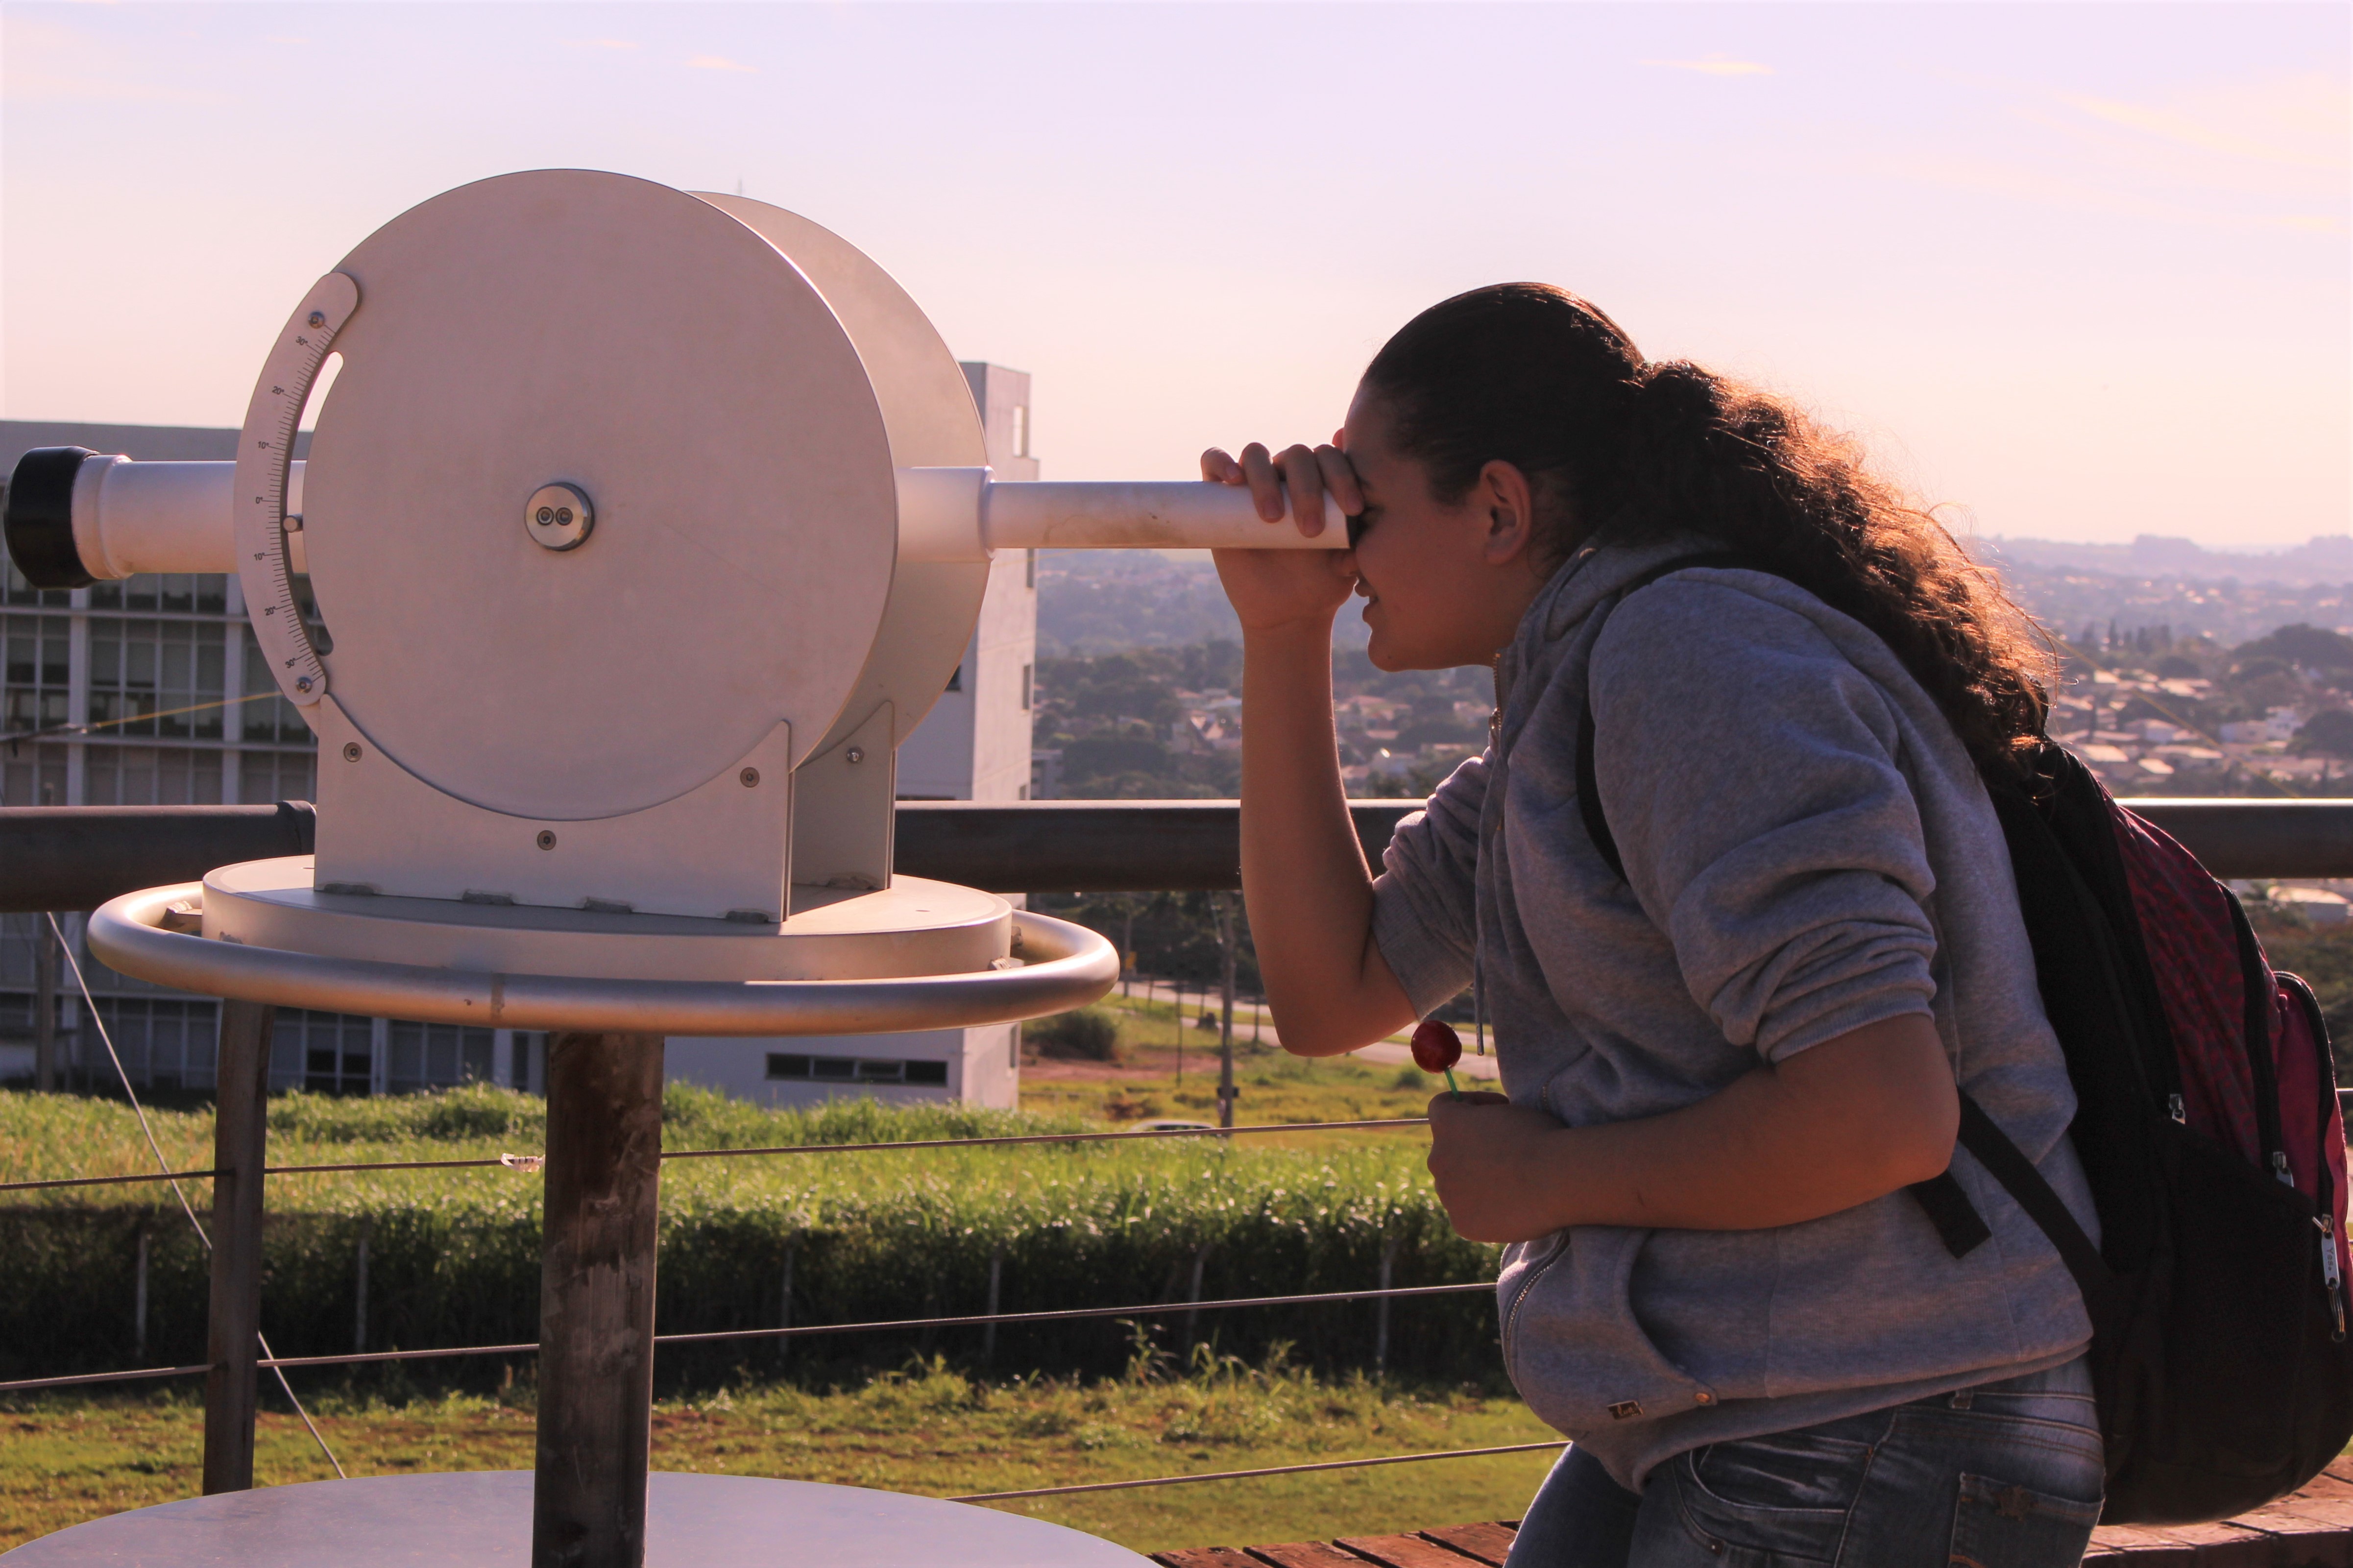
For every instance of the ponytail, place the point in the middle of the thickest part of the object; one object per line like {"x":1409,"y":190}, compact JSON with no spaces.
{"x":1620,"y":450}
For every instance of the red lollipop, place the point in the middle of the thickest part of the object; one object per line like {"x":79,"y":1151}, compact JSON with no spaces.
{"x":1436,"y":1049}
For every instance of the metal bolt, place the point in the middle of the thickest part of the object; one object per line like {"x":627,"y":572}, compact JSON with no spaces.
{"x":857,"y":753}
{"x":559,"y":517}
{"x":546,"y":839}
{"x":748,"y":778}
{"x":351,"y":751}
{"x":301,"y":683}
{"x":318,"y":318}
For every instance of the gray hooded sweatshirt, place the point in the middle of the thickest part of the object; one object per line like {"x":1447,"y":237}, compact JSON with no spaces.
{"x":1808,"y":849}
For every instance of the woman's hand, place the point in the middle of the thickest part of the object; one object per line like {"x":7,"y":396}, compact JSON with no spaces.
{"x":1483,"y":1151}
{"x":1273,"y":589}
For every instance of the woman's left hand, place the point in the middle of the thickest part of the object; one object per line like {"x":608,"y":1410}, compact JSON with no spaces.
{"x":1488,"y":1157}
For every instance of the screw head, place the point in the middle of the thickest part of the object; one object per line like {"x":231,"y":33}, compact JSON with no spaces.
{"x":351,"y":751}
{"x":558,"y":517}
{"x":749,"y":778}
{"x":546,"y":841}
{"x":317,"y":318}
{"x":857,"y":753}
{"x":301,"y":683}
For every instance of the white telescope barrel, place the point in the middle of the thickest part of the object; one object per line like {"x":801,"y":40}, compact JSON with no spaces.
{"x":131,"y":517}
{"x":127,"y":517}
{"x":962,"y":514}
{"x":161,"y":517}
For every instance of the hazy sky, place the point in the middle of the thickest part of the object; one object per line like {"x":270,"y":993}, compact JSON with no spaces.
{"x":2082,"y":270}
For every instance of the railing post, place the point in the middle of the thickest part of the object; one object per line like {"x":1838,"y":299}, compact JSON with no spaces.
{"x":44,"y":1009}
{"x":596,"y":1300}
{"x":233,"y":1330}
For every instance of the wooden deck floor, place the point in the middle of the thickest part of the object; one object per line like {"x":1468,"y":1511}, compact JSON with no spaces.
{"x":2313,"y":1529}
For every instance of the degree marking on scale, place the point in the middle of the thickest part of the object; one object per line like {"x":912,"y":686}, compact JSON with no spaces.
{"x":272,"y":420}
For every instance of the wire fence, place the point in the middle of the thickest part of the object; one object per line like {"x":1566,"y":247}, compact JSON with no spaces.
{"x":278,"y":1365}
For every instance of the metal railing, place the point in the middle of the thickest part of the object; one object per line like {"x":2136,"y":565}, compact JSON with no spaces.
{"x":77,"y":858}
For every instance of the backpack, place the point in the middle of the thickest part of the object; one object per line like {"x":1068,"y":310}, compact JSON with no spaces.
{"x":2209,"y":1129}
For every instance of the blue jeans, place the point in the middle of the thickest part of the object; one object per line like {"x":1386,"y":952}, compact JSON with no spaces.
{"x":2004,"y":1475}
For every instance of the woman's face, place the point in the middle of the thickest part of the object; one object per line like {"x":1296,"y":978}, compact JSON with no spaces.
{"x":1444,"y":583}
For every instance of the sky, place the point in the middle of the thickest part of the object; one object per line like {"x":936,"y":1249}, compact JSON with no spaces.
{"x":2076,"y":271}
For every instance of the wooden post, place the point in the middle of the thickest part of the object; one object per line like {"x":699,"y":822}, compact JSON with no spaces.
{"x":233,"y":1327}
{"x":596,"y":1300}
{"x":360,"y":1288}
{"x":139,"y":1296}
{"x":44,"y":1009}
{"x":1381,"y":1323}
{"x":1224,"y":903}
{"x":988,"y":1335}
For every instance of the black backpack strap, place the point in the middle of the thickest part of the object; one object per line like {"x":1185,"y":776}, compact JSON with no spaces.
{"x":2008,"y":1164}
{"x":1958,"y":1224}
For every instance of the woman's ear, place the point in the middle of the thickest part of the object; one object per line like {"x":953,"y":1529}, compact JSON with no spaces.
{"x":1510,"y":504}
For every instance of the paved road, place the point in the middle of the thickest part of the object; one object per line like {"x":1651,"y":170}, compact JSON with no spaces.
{"x":1393,"y":1052}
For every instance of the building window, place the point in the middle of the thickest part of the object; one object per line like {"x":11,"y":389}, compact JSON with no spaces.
{"x":150,"y":775}
{"x":1025,"y":687}
{"x":36,"y":673}
{"x":1020,"y":429}
{"x":163,"y":1043}
{"x":265,"y":776}
{"x":327,"y":1053}
{"x":32,"y":774}
{"x":435,"y":1056}
{"x":156,"y":677}
{"x":793,"y":1068}
{"x":205,"y":594}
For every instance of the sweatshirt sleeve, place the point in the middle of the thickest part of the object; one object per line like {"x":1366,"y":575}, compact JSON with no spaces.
{"x":1422,"y":909}
{"x":1750,"y":774}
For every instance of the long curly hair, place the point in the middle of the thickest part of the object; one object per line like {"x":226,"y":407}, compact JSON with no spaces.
{"x":1620,"y":449}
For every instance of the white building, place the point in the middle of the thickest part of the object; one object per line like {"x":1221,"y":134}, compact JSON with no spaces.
{"x":150,"y":691}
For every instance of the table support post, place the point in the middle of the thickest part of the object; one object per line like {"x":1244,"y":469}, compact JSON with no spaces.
{"x":596,"y":1300}
{"x":233,"y":1328}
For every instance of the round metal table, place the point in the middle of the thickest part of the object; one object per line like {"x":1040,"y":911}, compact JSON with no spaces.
{"x":482,"y":1519}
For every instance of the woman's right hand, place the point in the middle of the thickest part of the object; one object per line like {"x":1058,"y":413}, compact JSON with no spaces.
{"x":1270,"y":589}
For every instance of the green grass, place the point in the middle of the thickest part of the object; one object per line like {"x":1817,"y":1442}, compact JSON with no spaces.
{"x":1275,"y":1085}
{"x":928,"y":1429}
{"x":870,"y":1234}
{"x":880,"y":1234}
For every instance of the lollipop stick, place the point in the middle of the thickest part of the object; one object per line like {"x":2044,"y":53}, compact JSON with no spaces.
{"x":1450,"y":1084}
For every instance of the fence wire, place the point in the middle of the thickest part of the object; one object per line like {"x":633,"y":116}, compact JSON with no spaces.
{"x":884,"y":1325}
{"x":107,"y":1038}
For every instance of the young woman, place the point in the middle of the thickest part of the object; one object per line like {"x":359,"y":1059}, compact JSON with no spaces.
{"x":1725,"y":1065}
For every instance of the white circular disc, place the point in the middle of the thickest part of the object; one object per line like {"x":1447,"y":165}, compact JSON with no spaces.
{"x":482,"y":1519}
{"x":913,"y":927}
{"x":616,"y":335}
{"x":927,"y":406}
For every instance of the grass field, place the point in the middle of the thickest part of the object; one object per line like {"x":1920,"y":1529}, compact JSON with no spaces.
{"x":928,"y":1430}
{"x":936,"y":1429}
{"x":1153,"y":1078}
